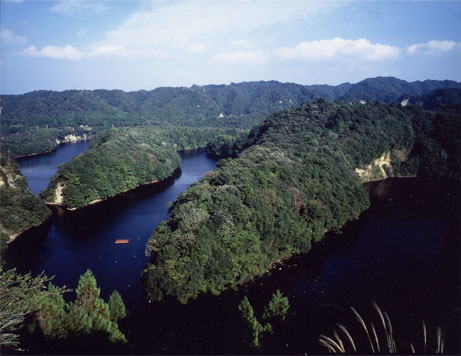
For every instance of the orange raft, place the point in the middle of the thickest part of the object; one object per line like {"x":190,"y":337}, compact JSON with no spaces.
{"x":122,"y":241}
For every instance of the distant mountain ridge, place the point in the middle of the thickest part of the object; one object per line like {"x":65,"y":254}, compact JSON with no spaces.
{"x":447,"y":98}
{"x":235,"y":105}
{"x":389,"y":89}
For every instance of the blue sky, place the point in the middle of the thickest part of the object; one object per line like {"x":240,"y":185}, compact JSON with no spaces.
{"x":130,"y":45}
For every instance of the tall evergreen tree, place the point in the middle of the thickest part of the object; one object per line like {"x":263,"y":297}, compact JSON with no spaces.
{"x":116,"y":306}
{"x":77,"y":320}
{"x":52,"y":314}
{"x":87,"y":291}
{"x":20,"y":295}
{"x":278,"y":306}
{"x":254,"y":325}
{"x":87,"y":314}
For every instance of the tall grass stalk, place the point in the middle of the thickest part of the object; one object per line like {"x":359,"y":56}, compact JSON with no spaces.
{"x":343,"y":341}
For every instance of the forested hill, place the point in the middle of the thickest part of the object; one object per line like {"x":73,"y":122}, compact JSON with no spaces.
{"x":296,"y":176}
{"x":19,"y":208}
{"x":440,"y":99}
{"x":122,"y":159}
{"x":389,"y":89}
{"x":235,"y":105}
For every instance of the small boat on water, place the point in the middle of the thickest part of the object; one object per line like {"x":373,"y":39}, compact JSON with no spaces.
{"x":122,"y":241}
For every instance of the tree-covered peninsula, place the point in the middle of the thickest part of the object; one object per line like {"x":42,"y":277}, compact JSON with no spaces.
{"x":19,"y":208}
{"x":122,"y":159}
{"x":38,"y":140}
{"x":297,"y":175}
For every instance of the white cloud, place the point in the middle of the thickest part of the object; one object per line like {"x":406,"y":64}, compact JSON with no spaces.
{"x":431,"y":47}
{"x":253,"y":57}
{"x":162,"y":26}
{"x":198,"y":47}
{"x":9,"y":37}
{"x":180,"y":23}
{"x":56,"y":52}
{"x":319,"y":51}
{"x":106,"y":52}
{"x":338,"y":48}
{"x":68,"y":7}
{"x":244,"y":44}
{"x":109,"y":51}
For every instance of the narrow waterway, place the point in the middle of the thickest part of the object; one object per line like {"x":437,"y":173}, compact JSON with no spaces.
{"x":84,"y":239}
{"x":39,"y":170}
{"x":402,"y":253}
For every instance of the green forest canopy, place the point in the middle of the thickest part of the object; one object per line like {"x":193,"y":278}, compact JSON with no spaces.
{"x":292,"y":180}
{"x":19,"y":208}
{"x":47,"y":115}
{"x":122,"y":159}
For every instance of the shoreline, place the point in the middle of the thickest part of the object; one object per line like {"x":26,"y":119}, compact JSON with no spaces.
{"x":28,"y":230}
{"x":153,"y":183}
{"x":37,"y":154}
{"x":43,"y":153}
{"x":392,"y":177}
{"x":330,"y":238}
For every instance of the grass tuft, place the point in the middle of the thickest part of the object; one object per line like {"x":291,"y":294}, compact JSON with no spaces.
{"x":379,"y":341}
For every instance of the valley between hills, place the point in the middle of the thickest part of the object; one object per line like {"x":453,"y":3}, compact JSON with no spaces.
{"x":292,"y":161}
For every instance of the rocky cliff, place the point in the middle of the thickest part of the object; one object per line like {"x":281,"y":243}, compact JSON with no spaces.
{"x":382,"y":167}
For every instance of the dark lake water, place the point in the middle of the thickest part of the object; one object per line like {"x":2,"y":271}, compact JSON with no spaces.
{"x":38,"y":170}
{"x":403,"y":253}
{"x":85,"y":239}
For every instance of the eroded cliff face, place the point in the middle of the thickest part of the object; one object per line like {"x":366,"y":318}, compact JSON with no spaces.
{"x":9,"y":174}
{"x":7,"y":179}
{"x":382,"y":167}
{"x":58,"y":197}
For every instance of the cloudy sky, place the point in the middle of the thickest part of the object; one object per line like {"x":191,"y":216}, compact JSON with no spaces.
{"x":134,"y":44}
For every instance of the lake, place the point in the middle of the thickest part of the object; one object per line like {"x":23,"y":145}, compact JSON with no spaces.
{"x":402,"y":253}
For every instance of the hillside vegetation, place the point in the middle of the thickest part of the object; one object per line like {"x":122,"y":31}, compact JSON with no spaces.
{"x":122,"y":159}
{"x":388,"y":89}
{"x":19,"y":208}
{"x":237,"y":105}
{"x":241,"y":104}
{"x":36,"y":140}
{"x":294,"y":178}
{"x":440,"y":99}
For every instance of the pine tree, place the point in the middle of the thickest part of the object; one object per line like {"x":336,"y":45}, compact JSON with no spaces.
{"x":115,"y":335}
{"x":52,"y":315}
{"x":99,"y":315}
{"x":278,"y":306}
{"x":77,"y":320}
{"x":246,"y":308}
{"x":87,"y":291}
{"x":57,"y":319}
{"x":116,"y":306}
{"x":255,"y":326}
{"x":20,"y":295}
